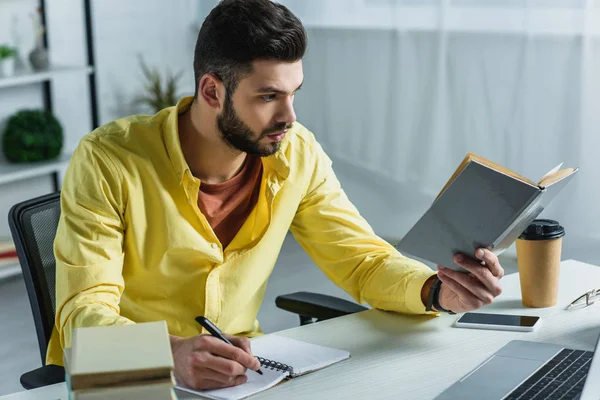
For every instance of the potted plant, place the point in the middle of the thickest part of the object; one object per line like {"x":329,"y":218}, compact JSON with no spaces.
{"x":7,"y":60}
{"x":159,"y":93}
{"x":32,"y":135}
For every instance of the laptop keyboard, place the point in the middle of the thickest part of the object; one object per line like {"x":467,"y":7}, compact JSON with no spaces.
{"x":560,"y":378}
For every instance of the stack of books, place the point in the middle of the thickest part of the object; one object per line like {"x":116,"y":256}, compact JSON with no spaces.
{"x":128,"y":362}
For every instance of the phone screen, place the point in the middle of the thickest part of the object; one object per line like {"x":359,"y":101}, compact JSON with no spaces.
{"x":499,"y":319}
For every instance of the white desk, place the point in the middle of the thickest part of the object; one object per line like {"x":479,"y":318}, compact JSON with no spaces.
{"x":417,"y":357}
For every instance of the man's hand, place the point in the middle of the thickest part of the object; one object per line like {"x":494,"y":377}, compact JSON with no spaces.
{"x":205,"y":362}
{"x":461,"y":291}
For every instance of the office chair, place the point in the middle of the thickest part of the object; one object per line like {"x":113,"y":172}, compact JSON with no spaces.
{"x":315,"y":307}
{"x":33,"y":225}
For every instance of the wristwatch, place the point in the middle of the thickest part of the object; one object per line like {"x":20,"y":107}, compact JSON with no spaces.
{"x":433,"y":298}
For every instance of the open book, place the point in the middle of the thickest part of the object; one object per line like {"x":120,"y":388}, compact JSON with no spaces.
{"x":281,"y":358}
{"x":482,"y":205}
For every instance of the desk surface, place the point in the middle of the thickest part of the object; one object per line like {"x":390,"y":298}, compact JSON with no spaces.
{"x":417,"y":357}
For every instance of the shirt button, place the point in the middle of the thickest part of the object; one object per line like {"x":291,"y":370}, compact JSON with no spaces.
{"x":214,"y":246}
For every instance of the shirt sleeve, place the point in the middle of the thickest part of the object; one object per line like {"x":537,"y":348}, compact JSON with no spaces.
{"x":89,"y":243}
{"x":344,"y":246}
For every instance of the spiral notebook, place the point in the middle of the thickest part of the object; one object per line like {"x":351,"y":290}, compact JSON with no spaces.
{"x":281,"y":358}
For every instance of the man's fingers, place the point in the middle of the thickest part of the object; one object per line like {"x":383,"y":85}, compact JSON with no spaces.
{"x":220,"y":348}
{"x":466,"y":297}
{"x":227,"y":368}
{"x":491,"y":261}
{"x":241,"y":342}
{"x":481,"y":272}
{"x":216,"y":368}
{"x":472,"y":284}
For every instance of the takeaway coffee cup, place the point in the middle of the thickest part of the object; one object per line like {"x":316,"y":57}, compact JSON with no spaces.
{"x":538,"y":255}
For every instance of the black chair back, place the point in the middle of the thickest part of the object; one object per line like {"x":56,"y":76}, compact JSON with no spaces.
{"x":33,"y":226}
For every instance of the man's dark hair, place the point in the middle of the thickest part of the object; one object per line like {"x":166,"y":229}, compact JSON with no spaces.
{"x":238,"y":32}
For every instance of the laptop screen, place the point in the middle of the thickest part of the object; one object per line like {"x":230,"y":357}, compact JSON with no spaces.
{"x":591,"y":389}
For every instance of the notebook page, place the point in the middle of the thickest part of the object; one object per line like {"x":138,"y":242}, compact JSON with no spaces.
{"x":256,"y":383}
{"x":303,"y":357}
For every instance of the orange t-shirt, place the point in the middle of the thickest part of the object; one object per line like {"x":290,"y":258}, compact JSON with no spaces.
{"x":226,"y":205}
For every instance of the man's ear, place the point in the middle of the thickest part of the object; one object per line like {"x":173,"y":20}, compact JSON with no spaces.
{"x":212,"y":90}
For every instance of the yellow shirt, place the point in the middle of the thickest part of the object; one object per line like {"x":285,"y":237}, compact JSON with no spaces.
{"x":133,"y":246}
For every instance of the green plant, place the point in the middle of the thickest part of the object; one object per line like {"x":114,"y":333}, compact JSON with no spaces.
{"x":32,"y":135}
{"x":7,"y":52}
{"x":158,"y":94}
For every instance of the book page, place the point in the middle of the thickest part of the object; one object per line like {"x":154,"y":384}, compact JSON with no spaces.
{"x":552,"y":171}
{"x":302,"y":356}
{"x":553,"y":177}
{"x":484,"y":161}
{"x":144,"y":391}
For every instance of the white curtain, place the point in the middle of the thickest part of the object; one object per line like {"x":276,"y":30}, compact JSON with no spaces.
{"x":399,"y":91}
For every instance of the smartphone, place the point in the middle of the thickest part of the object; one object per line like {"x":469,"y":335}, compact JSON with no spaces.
{"x":505,"y":322}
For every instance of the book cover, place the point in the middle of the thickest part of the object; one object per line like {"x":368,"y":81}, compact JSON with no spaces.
{"x":482,"y":205}
{"x":117,"y":355}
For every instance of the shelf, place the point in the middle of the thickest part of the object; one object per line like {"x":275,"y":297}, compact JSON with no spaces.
{"x":27,"y":77}
{"x":10,"y":270}
{"x":16,"y":172}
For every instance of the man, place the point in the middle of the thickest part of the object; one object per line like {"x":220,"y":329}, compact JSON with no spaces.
{"x":183,"y":213}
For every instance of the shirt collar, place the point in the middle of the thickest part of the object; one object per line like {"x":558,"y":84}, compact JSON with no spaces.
{"x":278,"y":162}
{"x":171,"y":137}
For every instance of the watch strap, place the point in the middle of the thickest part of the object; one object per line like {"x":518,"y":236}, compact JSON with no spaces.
{"x":433,"y":300}
{"x":429,"y":306}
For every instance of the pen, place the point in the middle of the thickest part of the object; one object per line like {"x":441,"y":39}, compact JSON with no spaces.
{"x":216,"y":332}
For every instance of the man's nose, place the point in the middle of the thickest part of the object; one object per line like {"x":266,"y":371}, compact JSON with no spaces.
{"x":287,"y":113}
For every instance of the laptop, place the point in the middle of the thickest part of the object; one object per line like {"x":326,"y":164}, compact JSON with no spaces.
{"x":530,"y":370}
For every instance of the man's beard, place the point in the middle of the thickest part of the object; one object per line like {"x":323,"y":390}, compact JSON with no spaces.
{"x":239,"y":135}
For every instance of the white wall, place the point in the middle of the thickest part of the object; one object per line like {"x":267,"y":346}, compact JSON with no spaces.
{"x":501,"y":16}
{"x":70,"y":92}
{"x":162,"y":32}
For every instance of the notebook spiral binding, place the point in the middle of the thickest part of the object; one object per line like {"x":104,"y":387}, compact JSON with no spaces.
{"x":275,"y":365}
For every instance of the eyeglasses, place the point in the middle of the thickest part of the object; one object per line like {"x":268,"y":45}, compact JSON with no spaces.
{"x":586,"y":299}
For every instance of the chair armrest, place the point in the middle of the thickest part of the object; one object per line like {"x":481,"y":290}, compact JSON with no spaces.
{"x":319,"y":306}
{"x":43,"y":376}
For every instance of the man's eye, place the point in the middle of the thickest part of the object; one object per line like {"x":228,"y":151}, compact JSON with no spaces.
{"x":268,"y":97}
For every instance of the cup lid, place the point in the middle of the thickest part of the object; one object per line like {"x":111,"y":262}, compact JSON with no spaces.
{"x":543,"y":229}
